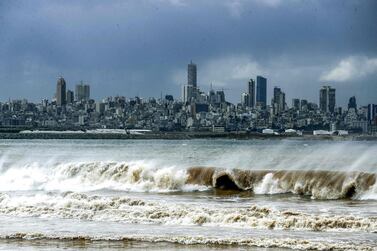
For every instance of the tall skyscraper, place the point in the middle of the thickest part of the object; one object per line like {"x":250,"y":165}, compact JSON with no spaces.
{"x":60,"y":92}
{"x":82,"y":92}
{"x":190,"y":91}
{"x":251,"y":92}
{"x":352,"y":103}
{"x":372,"y":114}
{"x":327,"y":99}
{"x":191,"y":74}
{"x":296,"y":104}
{"x":261,"y":91}
{"x":69,"y":97}
{"x":303,"y":105}
{"x":278,"y":101}
{"x":220,"y":96}
{"x":245,"y":99}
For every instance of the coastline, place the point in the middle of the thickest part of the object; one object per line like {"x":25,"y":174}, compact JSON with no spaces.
{"x":179,"y":136}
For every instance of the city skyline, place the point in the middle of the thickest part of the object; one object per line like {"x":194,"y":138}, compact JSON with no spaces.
{"x":254,"y":91}
{"x":249,"y":38}
{"x":82,"y":92}
{"x":194,"y":111}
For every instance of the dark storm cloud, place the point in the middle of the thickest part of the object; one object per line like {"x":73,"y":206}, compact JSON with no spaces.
{"x":142,"y":47}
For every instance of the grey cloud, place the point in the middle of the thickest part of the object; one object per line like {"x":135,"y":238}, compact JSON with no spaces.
{"x":142,"y":47}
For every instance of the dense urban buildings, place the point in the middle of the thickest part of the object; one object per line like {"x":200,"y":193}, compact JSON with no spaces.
{"x":195,"y":111}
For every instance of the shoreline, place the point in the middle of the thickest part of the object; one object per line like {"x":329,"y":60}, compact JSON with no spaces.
{"x":180,"y":136}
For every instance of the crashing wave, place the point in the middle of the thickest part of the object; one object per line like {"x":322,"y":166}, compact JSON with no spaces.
{"x":141,"y":176}
{"x":317,"y":184}
{"x":138,"y":176}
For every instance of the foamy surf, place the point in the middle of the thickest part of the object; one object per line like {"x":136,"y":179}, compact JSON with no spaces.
{"x":257,"y":193}
{"x":136,"y":176}
{"x":124,"y":209}
{"x":287,"y":243}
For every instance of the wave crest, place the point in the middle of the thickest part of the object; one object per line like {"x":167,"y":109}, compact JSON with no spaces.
{"x":317,"y":184}
{"x":142,"y":176}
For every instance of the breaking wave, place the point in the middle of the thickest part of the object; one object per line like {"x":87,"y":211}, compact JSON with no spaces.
{"x":138,"y":176}
{"x":141,"y":176}
{"x":290,"y":243}
{"x":71,"y":205}
{"x":317,"y":184}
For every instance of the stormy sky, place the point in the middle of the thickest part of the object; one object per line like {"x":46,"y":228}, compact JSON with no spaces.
{"x":142,"y":47}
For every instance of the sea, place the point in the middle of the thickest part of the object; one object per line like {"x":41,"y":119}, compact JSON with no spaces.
{"x":198,"y":194}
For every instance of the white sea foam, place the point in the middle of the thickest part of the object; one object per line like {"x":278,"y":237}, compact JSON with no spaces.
{"x":149,"y":176}
{"x":289,"y":243}
{"x":371,"y":194}
{"x":269,"y":185}
{"x":123,"y":209}
{"x":138,"y":176}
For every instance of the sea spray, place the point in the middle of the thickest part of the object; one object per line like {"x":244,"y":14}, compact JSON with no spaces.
{"x":142,"y":176}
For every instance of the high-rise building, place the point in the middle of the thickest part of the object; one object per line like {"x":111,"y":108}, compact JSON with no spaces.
{"x":261,"y":95}
{"x":296,"y":104}
{"x":82,"y":92}
{"x":245,"y":99}
{"x":191,"y":74}
{"x":100,"y":107}
{"x":188,"y":93}
{"x":372,"y":114}
{"x":69,"y":97}
{"x":327,"y":99}
{"x":352,"y":103}
{"x":304,"y":105}
{"x":278,"y":101}
{"x":211,"y":96}
{"x":251,"y":92}
{"x":220,"y":96}
{"x":60,"y":92}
